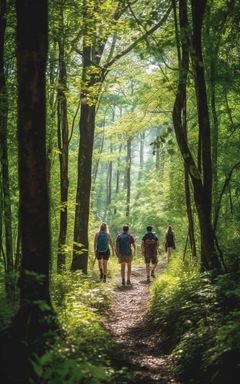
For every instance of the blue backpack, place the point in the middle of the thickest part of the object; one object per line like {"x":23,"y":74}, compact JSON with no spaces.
{"x":102,"y":242}
{"x":124,"y":244}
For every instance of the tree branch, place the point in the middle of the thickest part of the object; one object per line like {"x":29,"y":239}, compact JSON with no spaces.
{"x":141,"y":38}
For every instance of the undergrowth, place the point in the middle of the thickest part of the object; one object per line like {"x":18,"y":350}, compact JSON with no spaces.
{"x":82,"y":352}
{"x":199,"y":321}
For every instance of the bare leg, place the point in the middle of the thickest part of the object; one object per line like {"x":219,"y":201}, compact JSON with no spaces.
{"x":129,"y":270}
{"x":148,"y":270}
{"x":153,"y":269}
{"x":105,"y":267}
{"x":169,"y":253}
{"x":104,"y":270}
{"x":123,"y":271}
{"x":100,"y":265}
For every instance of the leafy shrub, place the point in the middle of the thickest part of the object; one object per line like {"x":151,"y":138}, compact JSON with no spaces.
{"x":199,"y":319}
{"x":81,"y":354}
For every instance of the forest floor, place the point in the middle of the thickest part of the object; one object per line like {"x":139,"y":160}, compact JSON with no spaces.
{"x":129,"y":322}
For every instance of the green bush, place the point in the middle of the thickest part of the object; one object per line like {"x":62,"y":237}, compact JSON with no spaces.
{"x":199,"y":322}
{"x":81,"y":354}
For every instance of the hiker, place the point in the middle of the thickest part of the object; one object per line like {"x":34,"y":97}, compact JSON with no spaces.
{"x":124,"y":244}
{"x":149,"y":248}
{"x":102,"y":241}
{"x":169,"y":242}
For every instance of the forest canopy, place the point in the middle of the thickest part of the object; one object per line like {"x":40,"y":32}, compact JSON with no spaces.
{"x":116,"y":111}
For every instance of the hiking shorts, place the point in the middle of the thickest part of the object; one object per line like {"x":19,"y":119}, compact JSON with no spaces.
{"x":151,"y":259}
{"x":125,"y":258}
{"x":103,"y":255}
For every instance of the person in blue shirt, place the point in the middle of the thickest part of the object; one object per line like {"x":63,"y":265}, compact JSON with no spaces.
{"x":102,"y":241}
{"x":125,"y":246}
{"x":149,"y":248}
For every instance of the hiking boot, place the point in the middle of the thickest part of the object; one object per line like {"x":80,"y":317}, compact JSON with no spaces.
{"x":129,"y":282}
{"x":104,"y":278}
{"x":101,"y":275}
{"x":153,"y":274}
{"x":123,"y":281}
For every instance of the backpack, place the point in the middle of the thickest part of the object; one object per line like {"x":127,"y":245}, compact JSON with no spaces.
{"x":102,"y":242}
{"x":170,"y":237}
{"x":150,"y":245}
{"x":124,"y":244}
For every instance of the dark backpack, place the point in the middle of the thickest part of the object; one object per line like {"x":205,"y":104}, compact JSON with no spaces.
{"x":102,"y":242}
{"x":170,"y":237}
{"x":150,"y":244}
{"x":124,"y":244}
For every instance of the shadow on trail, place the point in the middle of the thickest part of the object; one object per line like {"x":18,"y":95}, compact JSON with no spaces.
{"x":138,"y":343}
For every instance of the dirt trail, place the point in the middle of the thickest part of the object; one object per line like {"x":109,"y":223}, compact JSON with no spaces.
{"x":128,"y":323}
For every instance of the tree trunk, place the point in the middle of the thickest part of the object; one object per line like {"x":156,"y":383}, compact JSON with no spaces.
{"x":198,"y":8}
{"x":187,"y":191}
{"x":63,"y":149}
{"x":1,"y":226}
{"x":189,"y":214}
{"x":86,"y":126}
{"x":141,"y":154}
{"x":128,"y":176}
{"x":202,"y":196}
{"x":90,"y":91}
{"x":28,"y":335}
{"x":109,"y":185}
{"x":32,"y":42}
{"x":4,"y":147}
{"x":214,"y":131}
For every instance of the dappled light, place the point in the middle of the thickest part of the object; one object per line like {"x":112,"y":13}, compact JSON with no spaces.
{"x":119,"y":192}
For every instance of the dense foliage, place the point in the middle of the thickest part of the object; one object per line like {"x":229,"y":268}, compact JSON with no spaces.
{"x":142,"y":127}
{"x":197,"y":316}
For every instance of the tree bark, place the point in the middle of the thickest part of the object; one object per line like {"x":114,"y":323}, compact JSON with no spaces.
{"x":4,"y":147}
{"x":28,"y":335}
{"x":128,"y":176}
{"x":141,"y":154}
{"x":32,"y":42}
{"x":90,"y":90}
{"x":63,"y":148}
{"x":198,"y":9}
{"x":202,"y":195}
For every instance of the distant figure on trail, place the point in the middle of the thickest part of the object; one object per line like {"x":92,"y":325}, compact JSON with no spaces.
{"x":169,"y":242}
{"x":149,"y":248}
{"x":102,"y":241}
{"x":125,"y":243}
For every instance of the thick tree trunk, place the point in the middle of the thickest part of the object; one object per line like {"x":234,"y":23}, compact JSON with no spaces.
{"x":32,"y":44}
{"x":198,"y":8}
{"x":63,"y":150}
{"x":202,"y":196}
{"x":90,"y":90}
{"x":87,"y":125}
{"x":1,"y":227}
{"x":28,"y":335}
